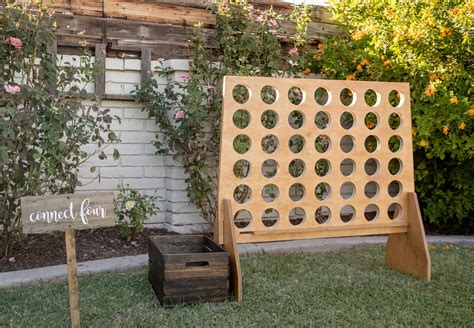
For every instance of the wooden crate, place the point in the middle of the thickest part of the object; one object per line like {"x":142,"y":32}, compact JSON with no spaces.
{"x":187,"y":269}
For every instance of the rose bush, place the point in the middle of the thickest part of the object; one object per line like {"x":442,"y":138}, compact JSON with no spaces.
{"x":44,"y":119}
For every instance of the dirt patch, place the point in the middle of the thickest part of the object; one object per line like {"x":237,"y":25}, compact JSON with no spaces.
{"x":41,"y":250}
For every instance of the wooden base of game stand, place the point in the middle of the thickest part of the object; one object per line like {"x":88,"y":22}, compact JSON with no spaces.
{"x":230,"y":245}
{"x":408,"y":252}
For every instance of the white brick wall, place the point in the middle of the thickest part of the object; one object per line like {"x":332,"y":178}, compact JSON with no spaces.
{"x":138,"y":165}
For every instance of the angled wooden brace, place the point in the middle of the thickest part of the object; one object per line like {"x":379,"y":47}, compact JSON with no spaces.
{"x":230,"y":245}
{"x":408,"y":252}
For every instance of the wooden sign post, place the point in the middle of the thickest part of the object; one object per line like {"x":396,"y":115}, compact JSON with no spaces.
{"x":68,"y":213}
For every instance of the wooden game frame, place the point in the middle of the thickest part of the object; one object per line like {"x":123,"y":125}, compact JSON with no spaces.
{"x":347,"y":140}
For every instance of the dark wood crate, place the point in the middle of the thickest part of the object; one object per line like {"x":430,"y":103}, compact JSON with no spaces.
{"x":187,"y":269}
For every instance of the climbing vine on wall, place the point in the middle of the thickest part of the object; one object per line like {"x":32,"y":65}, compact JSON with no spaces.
{"x":188,"y":113}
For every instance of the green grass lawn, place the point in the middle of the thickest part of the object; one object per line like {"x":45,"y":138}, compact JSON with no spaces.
{"x":344,"y":288}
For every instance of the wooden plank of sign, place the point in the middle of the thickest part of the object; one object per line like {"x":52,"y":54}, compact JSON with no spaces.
{"x":91,"y":210}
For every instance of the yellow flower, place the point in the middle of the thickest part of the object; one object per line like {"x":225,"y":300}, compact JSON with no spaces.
{"x":462,"y":126}
{"x":307,"y":71}
{"x":447,"y":247}
{"x":431,"y":90}
{"x":444,"y":33}
{"x":413,"y":132}
{"x":445,"y":130}
{"x":358,"y":35}
{"x":321,"y":47}
{"x":129,"y":204}
{"x":351,"y":77}
{"x":388,"y":62}
{"x":433,"y":77}
{"x":470,"y":112}
{"x":454,"y":100}
{"x":365,"y":62}
{"x":423,"y":143}
{"x":454,"y":11}
{"x":359,"y":68}
{"x":431,"y":248}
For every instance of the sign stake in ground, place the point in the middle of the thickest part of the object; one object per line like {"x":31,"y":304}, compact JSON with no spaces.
{"x":68,"y":213}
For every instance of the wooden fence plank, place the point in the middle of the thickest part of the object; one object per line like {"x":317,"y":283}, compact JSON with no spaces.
{"x":100,"y":80}
{"x":146,"y":64}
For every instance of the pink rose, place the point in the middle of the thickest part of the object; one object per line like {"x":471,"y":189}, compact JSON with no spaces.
{"x":12,"y":88}
{"x":209,"y":87}
{"x":293,"y":52}
{"x":17,"y":43}
{"x":272,"y":22}
{"x":185,"y":76}
{"x":180,"y":114}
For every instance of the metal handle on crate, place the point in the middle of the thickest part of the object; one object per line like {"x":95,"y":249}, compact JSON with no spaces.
{"x":197,"y":264}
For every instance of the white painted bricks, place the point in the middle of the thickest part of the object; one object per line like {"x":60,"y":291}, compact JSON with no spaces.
{"x":138,"y":165}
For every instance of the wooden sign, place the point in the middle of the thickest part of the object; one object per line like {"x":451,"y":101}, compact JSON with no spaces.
{"x":40,"y":214}
{"x":68,"y":212}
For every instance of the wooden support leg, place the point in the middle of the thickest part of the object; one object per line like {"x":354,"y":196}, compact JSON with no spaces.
{"x":230,"y":245}
{"x":408,"y":252}
{"x":72,"y":277}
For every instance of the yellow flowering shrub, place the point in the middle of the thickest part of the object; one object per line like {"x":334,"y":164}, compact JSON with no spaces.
{"x":429,"y":45}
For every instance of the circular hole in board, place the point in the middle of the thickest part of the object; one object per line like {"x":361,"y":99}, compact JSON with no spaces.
{"x":270,"y":193}
{"x":296,"y":143}
{"x":269,"y":119}
{"x":322,"y":191}
{"x":371,"y":212}
{"x":241,"y":94}
{"x":242,"y":194}
{"x":347,"y":97}
{"x":394,"y":188}
{"x":322,"y":143}
{"x":242,"y":219}
{"x":296,"y":168}
{"x":347,"y":213}
{"x":371,"y":166}
{"x":297,"y":216}
{"x":347,"y":167}
{"x":269,"y":143}
{"x":296,"y":119}
{"x":269,"y":168}
{"x":322,"y":214}
{"x":347,"y":190}
{"x":347,"y":120}
{"x":270,"y":217}
{"x":242,"y":144}
{"x":241,"y":118}
{"x":296,"y":192}
{"x":347,"y":143}
{"x":242,"y":169}
{"x":321,"y":96}
{"x":322,"y":167}
{"x":371,"y":189}
{"x":394,"y":211}
{"x":321,"y":119}
{"x":295,"y":95}
{"x":268,"y":94}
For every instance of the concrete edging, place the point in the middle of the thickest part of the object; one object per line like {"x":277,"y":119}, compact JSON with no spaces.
{"x":130,"y":263}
